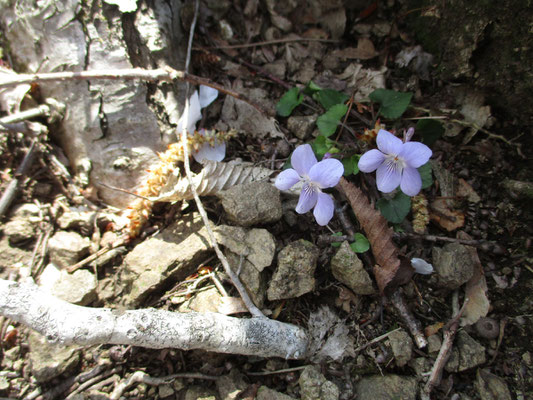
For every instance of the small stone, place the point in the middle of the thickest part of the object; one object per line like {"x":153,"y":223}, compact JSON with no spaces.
{"x":202,"y":302}
{"x":277,"y":68}
{"x":264,"y":393}
{"x":67,"y":248}
{"x":22,"y":224}
{"x":402,"y":347}
{"x":4,"y":384}
{"x":388,"y":387}
{"x":48,"y":360}
{"x":252,"y":203}
{"x":434,"y":344}
{"x":230,"y":386}
{"x":199,"y":393}
{"x":466,"y":354}
{"x":165,"y":391}
{"x":348,"y":269}
{"x":421,"y":365}
{"x":453,"y":265}
{"x":301,"y":126}
{"x":294,"y":274}
{"x":315,"y":386}
{"x":490,"y":386}
{"x":80,"y":221}
{"x":76,"y":288}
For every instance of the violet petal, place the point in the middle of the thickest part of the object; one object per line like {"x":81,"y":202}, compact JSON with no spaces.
{"x":303,"y":159}
{"x":371,"y":160}
{"x":415,"y":154}
{"x":211,"y":153}
{"x":411,"y":181}
{"x":287,"y":179}
{"x":207,"y":95}
{"x":388,"y":176}
{"x":388,"y":143}
{"x":307,"y":199}
{"x":326,"y":173}
{"x":324,"y":209}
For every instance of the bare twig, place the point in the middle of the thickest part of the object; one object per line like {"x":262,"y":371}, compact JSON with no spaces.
{"x":119,"y":242}
{"x":445,"y":350}
{"x":162,"y":74}
{"x":412,"y":323}
{"x":270,"y":42}
{"x":375,"y":340}
{"x":66,"y":323}
{"x":435,"y":238}
{"x":12,"y":187}
{"x":278,"y":371}
{"x":234,"y":278}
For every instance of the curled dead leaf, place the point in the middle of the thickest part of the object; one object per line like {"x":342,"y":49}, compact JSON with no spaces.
{"x":442,"y":213}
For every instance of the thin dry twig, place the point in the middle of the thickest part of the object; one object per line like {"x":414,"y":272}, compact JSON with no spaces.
{"x":269,"y":42}
{"x":445,"y":350}
{"x":412,"y":323}
{"x":375,"y":340}
{"x":162,"y":75}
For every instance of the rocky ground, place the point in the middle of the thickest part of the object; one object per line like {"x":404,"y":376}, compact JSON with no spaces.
{"x":476,"y":232}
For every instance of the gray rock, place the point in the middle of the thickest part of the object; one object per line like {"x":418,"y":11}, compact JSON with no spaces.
{"x":315,"y":386}
{"x":23,"y":224}
{"x":76,"y":288}
{"x":4,"y":384}
{"x":49,"y":361}
{"x":402,"y":347}
{"x":264,"y":393}
{"x":453,"y":264}
{"x":258,"y":245}
{"x":348,"y":269}
{"x":253,"y":280}
{"x":490,"y":386}
{"x":466,"y":354}
{"x":82,"y":221}
{"x":388,"y":387}
{"x":252,"y":203}
{"x":204,"y":301}
{"x":67,"y":248}
{"x":421,"y":365}
{"x":165,"y":391}
{"x":294,"y":274}
{"x":11,"y":255}
{"x":231,"y":385}
{"x":199,"y":393}
{"x":434,"y":343}
{"x":173,"y":254}
{"x":301,"y":126}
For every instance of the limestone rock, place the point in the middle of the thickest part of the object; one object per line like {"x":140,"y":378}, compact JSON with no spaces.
{"x":402,"y":347}
{"x":314,"y":385}
{"x":67,"y":248}
{"x":348,"y":269}
{"x":165,"y":391}
{"x":253,"y":280}
{"x":388,"y":387}
{"x":172,"y":253}
{"x":490,"y":386}
{"x":231,"y":385}
{"x":76,"y":288}
{"x":82,"y":221}
{"x":264,"y":393}
{"x":453,"y":264}
{"x":204,"y":301}
{"x":466,"y":354}
{"x":22,"y":225}
{"x":294,"y":274}
{"x":252,"y":203}
{"x":49,"y":361}
{"x":301,"y":126}
{"x":199,"y":393}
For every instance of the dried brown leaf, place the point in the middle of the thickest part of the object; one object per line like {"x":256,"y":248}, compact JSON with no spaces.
{"x":448,"y":218}
{"x":214,"y":177}
{"x":377,"y":231}
{"x":475,"y":289}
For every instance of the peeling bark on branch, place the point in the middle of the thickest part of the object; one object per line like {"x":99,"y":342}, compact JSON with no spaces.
{"x":65,"y":323}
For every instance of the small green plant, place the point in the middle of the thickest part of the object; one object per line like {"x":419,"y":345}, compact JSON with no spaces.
{"x":392,"y":104}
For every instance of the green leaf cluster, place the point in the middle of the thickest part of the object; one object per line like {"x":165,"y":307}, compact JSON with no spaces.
{"x":431,"y":130}
{"x":392,"y":104}
{"x":396,"y":208}
{"x":360,"y":245}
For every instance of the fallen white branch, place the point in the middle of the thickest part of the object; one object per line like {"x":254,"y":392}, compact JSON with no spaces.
{"x":65,"y":323}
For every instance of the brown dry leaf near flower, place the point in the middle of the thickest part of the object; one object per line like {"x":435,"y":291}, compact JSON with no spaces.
{"x":445,"y":216}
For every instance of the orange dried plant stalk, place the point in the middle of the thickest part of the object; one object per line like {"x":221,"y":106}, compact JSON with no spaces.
{"x":140,"y":209}
{"x":377,"y":231}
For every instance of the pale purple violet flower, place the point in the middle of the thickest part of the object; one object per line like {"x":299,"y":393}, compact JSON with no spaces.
{"x":315,"y":177}
{"x":192,"y":114}
{"x":396,"y":163}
